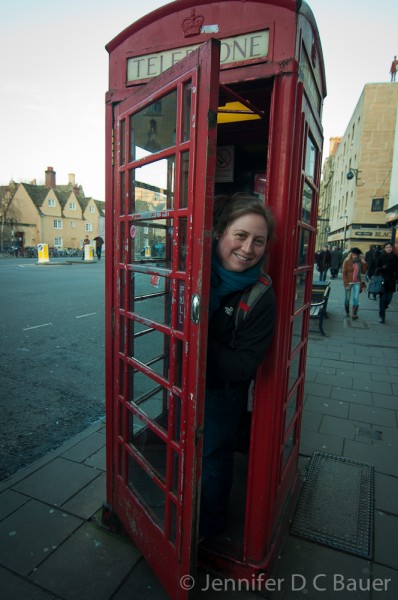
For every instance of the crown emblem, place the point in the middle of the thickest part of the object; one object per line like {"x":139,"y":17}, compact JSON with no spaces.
{"x":192,"y":25}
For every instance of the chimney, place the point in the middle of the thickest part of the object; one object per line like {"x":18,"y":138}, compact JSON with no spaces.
{"x":50,"y":178}
{"x":71,"y":179}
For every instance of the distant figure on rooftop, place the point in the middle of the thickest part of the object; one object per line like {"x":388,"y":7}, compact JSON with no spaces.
{"x":393,"y":69}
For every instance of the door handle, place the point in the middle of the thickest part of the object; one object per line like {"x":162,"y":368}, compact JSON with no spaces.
{"x":195,"y":309}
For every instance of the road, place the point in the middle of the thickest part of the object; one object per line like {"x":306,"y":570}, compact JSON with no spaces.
{"x":52,"y":343}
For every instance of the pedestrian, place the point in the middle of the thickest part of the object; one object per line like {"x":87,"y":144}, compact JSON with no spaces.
{"x":242,"y":228}
{"x":335,"y":262}
{"x":323,"y":263}
{"x":370,"y":257}
{"x":387,"y":267}
{"x":99,"y":242}
{"x":393,"y":69}
{"x":86,"y":241}
{"x":353,"y":267}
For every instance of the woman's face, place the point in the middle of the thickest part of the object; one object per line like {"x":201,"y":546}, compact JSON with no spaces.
{"x":243,"y":243}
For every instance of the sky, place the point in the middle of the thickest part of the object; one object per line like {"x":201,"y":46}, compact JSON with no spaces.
{"x":54,"y":76}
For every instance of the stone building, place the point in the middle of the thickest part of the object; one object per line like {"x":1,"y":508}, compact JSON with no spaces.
{"x":58,"y":215}
{"x":358,"y":178}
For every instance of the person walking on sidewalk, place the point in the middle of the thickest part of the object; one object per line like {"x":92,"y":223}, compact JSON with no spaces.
{"x":335,"y":262}
{"x":353,"y":267}
{"x":99,"y":242}
{"x":387,"y":267}
{"x":323,"y":263}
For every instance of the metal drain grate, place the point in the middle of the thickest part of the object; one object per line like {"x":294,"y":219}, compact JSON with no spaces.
{"x":336,"y":504}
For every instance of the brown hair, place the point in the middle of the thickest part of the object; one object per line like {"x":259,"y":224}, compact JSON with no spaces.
{"x":229,"y":208}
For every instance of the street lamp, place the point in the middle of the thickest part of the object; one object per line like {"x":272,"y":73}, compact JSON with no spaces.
{"x":353,"y":173}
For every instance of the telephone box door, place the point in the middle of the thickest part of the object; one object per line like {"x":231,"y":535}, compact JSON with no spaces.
{"x":163,"y":174}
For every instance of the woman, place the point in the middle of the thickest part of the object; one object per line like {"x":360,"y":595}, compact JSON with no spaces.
{"x":387,"y":266}
{"x":353,"y":266}
{"x":243,"y":226}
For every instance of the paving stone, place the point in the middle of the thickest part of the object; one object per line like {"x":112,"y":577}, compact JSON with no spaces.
{"x":386,"y":493}
{"x":372,"y":414}
{"x":340,"y":427}
{"x":385,"y":460}
{"x":318,"y":442}
{"x":385,"y":400}
{"x":97,"y":562}
{"x":87,"y":501}
{"x":31,"y":533}
{"x":345,"y":395}
{"x":326,"y":406}
{"x":97,"y":460}
{"x":81,"y":451}
{"x":386,"y":535}
{"x":13,"y":587}
{"x":317,"y":389}
{"x":10,"y":501}
{"x":57,"y":481}
{"x":311,"y":420}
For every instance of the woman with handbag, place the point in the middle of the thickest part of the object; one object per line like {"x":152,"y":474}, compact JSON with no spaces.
{"x":387,"y":267}
{"x":353,"y":267}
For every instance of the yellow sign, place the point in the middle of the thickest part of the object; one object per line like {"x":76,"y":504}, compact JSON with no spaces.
{"x":235,"y":49}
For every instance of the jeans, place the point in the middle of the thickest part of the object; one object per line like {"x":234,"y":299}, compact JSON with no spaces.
{"x":385,"y":300}
{"x":223,"y":412}
{"x":353,"y":289}
{"x":322,"y":275}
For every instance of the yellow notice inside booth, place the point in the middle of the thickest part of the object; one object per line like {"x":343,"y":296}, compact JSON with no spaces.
{"x":42,"y":253}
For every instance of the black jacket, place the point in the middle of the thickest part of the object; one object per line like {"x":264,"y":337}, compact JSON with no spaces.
{"x":387,"y":266}
{"x":233,"y":355}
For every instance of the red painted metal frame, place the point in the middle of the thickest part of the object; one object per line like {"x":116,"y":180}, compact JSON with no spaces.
{"x":169,"y":562}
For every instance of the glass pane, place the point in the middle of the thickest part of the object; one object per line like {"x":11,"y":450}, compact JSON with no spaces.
{"x":175,"y":461}
{"x":310,"y":158}
{"x":303,"y":248}
{"x":184,"y":180}
{"x":297,"y":330}
{"x":123,"y":142}
{"x":300,"y":290}
{"x":152,"y":187}
{"x":148,"y":395}
{"x":307,"y":204}
{"x":122,"y":286}
{"x":145,"y":487}
{"x":177,"y":418}
{"x":294,"y":370}
{"x":150,"y":297}
{"x":288,"y":448}
{"x":122,"y":192}
{"x":151,"y":242}
{"x":153,"y":130}
{"x":152,"y":348}
{"x":186,"y":112}
{"x":149,"y":445}
{"x":178,"y":345}
{"x":291,"y":409}
{"x":182,"y":248}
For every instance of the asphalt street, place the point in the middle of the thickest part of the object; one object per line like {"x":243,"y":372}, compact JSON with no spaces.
{"x":52,"y":355}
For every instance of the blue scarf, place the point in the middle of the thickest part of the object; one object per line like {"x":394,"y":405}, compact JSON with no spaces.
{"x":224,"y":282}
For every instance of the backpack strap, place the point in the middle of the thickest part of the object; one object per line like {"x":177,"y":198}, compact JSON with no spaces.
{"x":250,"y":298}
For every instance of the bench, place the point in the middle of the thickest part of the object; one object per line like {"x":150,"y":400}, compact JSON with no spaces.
{"x":319,"y":302}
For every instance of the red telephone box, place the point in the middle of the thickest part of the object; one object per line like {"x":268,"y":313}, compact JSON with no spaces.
{"x":207,"y":98}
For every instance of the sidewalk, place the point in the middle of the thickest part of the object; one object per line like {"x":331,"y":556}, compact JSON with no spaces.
{"x":51,"y":544}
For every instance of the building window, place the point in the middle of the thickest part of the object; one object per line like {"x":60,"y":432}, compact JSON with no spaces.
{"x":57,"y":224}
{"x":72,"y":205}
{"x":377,"y":204}
{"x":51,"y":202}
{"x":91,"y":209}
{"x":73,"y":224}
{"x":89,"y":227}
{"x":58,"y":242}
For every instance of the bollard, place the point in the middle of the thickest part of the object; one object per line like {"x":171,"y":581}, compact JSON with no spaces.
{"x":42,"y":253}
{"x":88,"y":252}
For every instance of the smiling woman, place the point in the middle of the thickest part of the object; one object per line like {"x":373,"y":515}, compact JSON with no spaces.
{"x":243,"y":226}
